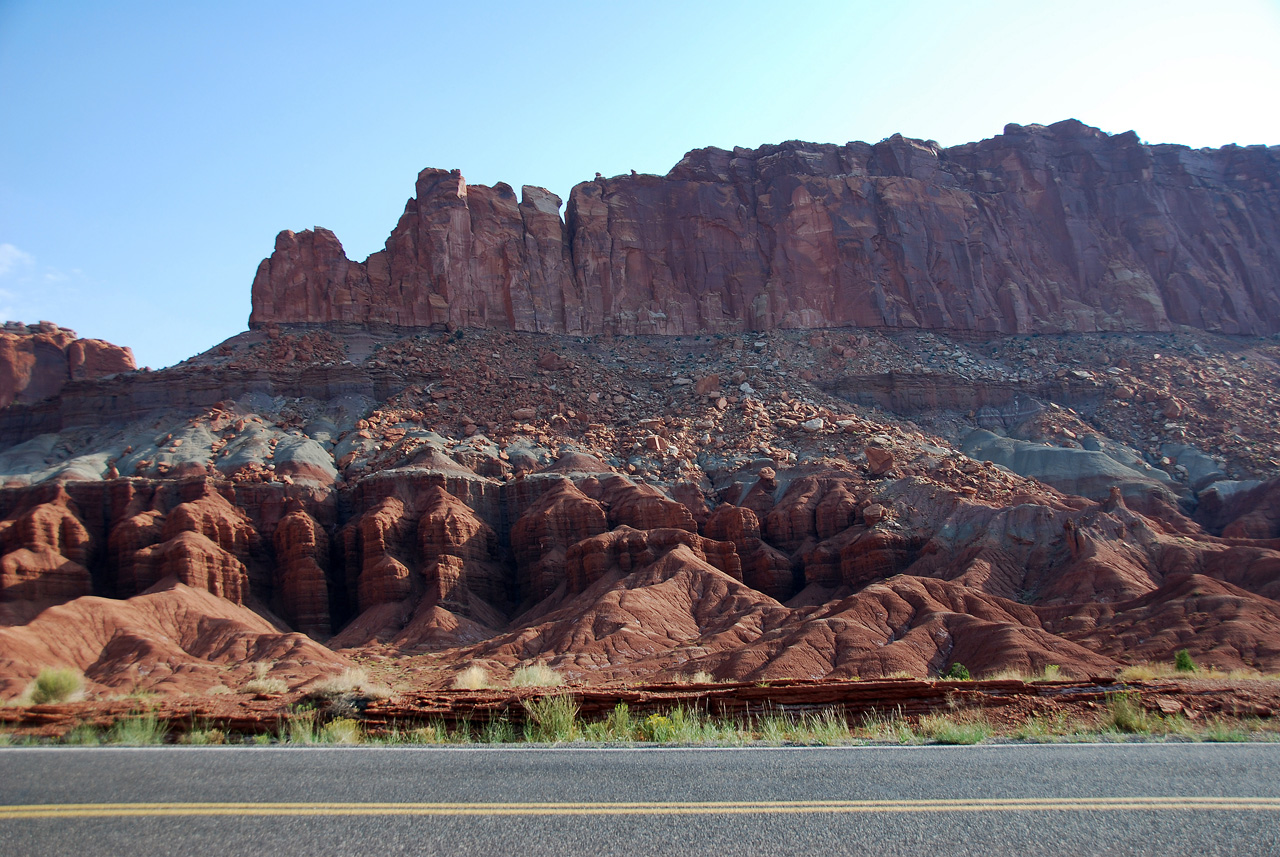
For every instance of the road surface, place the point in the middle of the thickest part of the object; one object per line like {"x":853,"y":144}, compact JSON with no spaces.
{"x":1166,"y":799}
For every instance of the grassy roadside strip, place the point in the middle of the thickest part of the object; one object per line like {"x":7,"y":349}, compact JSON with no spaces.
{"x":554,"y":719}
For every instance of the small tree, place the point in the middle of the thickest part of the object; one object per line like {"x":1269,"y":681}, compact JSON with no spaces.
{"x":957,"y":672}
{"x":1183,"y":663}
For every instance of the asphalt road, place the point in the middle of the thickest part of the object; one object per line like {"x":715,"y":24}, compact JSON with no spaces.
{"x":1160,"y":799}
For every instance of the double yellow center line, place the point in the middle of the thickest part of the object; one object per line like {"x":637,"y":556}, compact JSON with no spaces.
{"x":1076,"y":804}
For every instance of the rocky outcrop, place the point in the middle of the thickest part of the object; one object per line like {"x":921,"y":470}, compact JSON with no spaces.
{"x":469,"y":255}
{"x":625,"y":549}
{"x":45,"y":553}
{"x":460,"y":550}
{"x":1040,"y":229}
{"x":764,"y":567}
{"x":301,"y":581}
{"x":540,"y":539}
{"x":376,"y":548}
{"x":37,"y":360}
{"x":203,"y":542}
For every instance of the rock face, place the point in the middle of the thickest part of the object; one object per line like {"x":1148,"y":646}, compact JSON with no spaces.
{"x":37,"y":360}
{"x":1040,"y":229}
{"x":45,"y":551}
{"x":302,"y":549}
{"x":202,"y":543}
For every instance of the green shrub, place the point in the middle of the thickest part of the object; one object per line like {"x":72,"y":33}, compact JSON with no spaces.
{"x":140,"y":730}
{"x":498,"y":731}
{"x":956,"y":672}
{"x":1126,"y":714}
{"x":55,"y":685}
{"x":84,"y":735}
{"x":551,"y":719}
{"x":951,"y":729}
{"x":1183,"y":662}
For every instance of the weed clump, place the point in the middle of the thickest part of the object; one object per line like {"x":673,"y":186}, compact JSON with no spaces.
{"x":498,"y":731}
{"x":142,"y":730}
{"x":1126,"y":714}
{"x":620,"y":725}
{"x":56,"y":685}
{"x":83,"y":735}
{"x":953,"y":729}
{"x":552,"y":719}
{"x":827,"y":728}
{"x":204,"y":735}
{"x":890,"y":727}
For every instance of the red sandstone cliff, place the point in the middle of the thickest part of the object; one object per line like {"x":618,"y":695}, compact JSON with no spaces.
{"x":1041,"y":229}
{"x":36,"y":360}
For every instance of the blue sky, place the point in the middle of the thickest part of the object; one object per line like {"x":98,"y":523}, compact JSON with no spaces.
{"x":150,"y":152}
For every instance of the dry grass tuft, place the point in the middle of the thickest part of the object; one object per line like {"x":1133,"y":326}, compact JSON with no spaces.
{"x":266,"y":685}
{"x":354,"y":682}
{"x":536,"y":675}
{"x":344,"y":730}
{"x":474,"y":677}
{"x":1051,"y":672}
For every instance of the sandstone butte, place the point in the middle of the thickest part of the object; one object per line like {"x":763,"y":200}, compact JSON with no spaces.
{"x":1039,"y":230}
{"x":805,"y":411}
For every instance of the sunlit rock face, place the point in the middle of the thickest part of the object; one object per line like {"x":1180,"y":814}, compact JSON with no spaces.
{"x":1041,"y":229}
